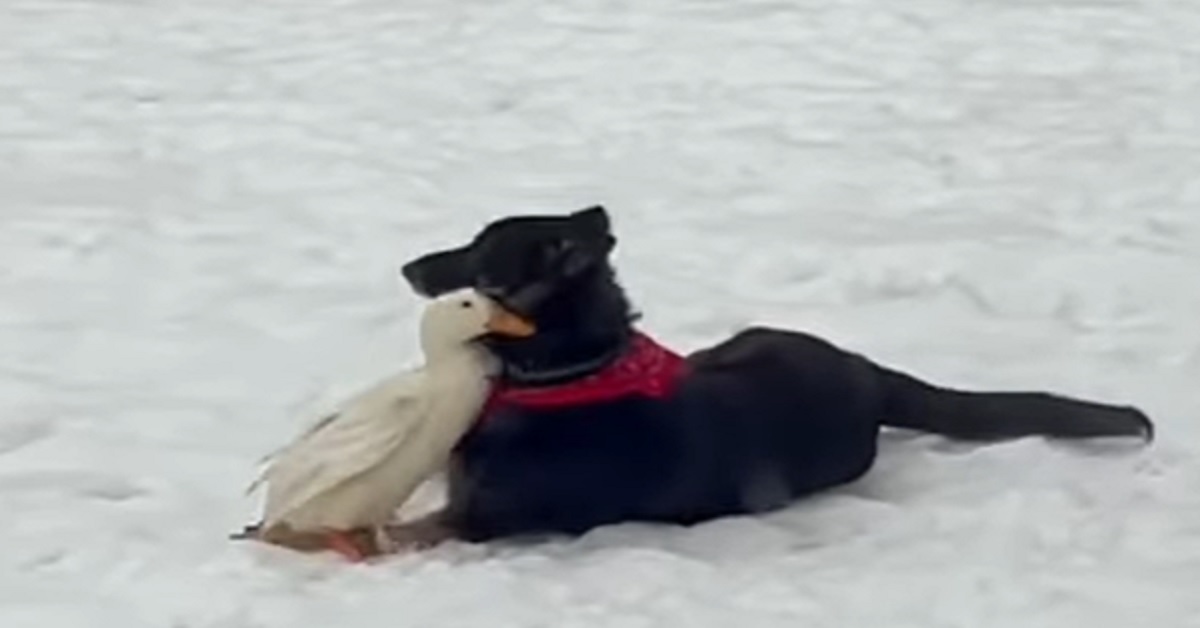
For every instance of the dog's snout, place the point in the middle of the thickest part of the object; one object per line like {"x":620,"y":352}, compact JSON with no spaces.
{"x":415,"y":277}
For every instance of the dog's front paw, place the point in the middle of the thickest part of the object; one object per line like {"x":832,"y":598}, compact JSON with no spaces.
{"x":413,"y":536}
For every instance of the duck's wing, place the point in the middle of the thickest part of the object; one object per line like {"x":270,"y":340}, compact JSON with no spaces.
{"x":399,"y":385}
{"x":269,"y":459}
{"x":351,"y":442}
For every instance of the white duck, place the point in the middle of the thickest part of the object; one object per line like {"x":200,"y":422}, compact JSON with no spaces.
{"x":344,"y":478}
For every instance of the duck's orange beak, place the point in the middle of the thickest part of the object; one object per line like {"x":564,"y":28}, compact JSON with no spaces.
{"x":502,"y":322}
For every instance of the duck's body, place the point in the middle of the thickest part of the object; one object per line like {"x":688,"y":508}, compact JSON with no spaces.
{"x":352,"y":470}
{"x":357,"y":467}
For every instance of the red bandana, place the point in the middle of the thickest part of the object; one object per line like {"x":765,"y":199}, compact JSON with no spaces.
{"x":648,"y":369}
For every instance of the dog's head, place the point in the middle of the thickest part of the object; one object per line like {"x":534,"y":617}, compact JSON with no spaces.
{"x":523,"y":262}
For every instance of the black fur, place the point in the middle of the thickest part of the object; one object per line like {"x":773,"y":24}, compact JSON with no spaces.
{"x":766,"y":417}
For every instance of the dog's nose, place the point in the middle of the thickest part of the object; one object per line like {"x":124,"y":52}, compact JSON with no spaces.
{"x":414,"y":276}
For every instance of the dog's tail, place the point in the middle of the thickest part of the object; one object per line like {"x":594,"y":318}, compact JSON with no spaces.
{"x":987,"y":416}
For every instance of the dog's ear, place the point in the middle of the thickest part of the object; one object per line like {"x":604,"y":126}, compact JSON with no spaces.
{"x":594,"y":217}
{"x":592,"y":221}
{"x":592,"y":228}
{"x":587,"y":243}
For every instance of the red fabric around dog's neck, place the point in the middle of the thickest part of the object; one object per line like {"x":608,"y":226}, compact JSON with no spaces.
{"x":647,"y":369}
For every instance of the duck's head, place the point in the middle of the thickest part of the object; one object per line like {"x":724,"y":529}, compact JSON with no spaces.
{"x":458,"y":317}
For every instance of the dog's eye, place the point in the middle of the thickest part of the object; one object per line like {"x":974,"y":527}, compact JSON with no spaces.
{"x":558,"y":248}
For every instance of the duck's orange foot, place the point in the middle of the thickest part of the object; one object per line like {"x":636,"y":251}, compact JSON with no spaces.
{"x":355,"y":546}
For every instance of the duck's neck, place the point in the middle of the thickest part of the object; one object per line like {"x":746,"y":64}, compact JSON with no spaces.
{"x":471,"y":359}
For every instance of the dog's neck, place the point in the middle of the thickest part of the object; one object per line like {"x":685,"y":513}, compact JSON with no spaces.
{"x":585,"y":329}
{"x":559,"y":367}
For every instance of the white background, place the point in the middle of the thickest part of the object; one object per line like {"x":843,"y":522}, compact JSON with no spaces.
{"x":203,"y":206}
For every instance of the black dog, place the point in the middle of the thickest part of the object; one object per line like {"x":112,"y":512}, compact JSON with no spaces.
{"x":597,"y":424}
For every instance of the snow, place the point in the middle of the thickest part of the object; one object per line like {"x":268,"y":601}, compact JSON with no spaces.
{"x":204,"y":206}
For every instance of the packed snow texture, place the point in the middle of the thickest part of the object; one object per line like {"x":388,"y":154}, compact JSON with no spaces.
{"x":205,"y":204}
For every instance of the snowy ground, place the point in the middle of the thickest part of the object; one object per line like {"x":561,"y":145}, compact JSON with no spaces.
{"x":203,"y":206}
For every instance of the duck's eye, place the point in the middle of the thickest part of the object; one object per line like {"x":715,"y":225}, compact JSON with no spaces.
{"x":465,"y":304}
